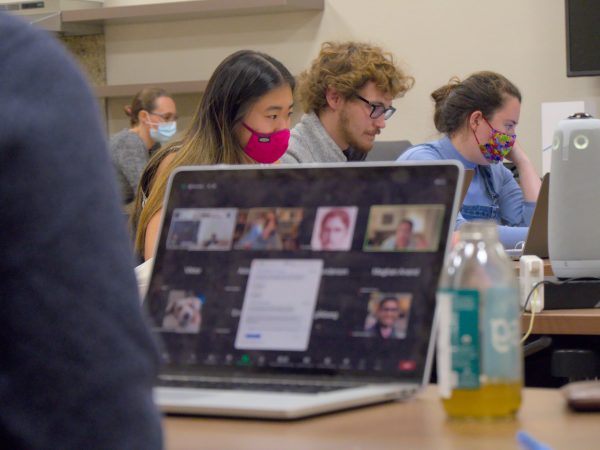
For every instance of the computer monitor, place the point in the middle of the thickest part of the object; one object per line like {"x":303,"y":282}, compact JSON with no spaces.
{"x":583,"y":35}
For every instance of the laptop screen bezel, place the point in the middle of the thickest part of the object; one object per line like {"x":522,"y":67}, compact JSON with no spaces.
{"x":420,"y":377}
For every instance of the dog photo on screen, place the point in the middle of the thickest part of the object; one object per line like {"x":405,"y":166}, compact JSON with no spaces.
{"x":183,"y":313}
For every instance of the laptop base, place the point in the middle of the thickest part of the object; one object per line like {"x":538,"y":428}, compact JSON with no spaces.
{"x":274,"y":405}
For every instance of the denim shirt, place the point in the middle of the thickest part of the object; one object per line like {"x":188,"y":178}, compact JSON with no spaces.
{"x":493,"y":193}
{"x":482,"y":212}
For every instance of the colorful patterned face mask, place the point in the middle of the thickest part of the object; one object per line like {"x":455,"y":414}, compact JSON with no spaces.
{"x":498,"y":145}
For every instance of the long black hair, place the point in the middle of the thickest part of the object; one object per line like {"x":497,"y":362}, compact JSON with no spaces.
{"x":236,"y":84}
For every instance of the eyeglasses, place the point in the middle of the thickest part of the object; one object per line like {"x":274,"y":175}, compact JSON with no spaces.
{"x":378,"y":110}
{"x":167,"y":117}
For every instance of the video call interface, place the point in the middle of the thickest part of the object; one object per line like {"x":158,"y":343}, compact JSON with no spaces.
{"x":295,"y":270}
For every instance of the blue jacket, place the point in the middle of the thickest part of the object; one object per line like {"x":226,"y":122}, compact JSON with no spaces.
{"x":509,"y":209}
{"x":78,"y":362}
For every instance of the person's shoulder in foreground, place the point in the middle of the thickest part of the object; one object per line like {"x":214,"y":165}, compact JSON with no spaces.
{"x":78,"y":362}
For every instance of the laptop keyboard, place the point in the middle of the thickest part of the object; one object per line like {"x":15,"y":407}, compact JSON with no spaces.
{"x":256,"y":385}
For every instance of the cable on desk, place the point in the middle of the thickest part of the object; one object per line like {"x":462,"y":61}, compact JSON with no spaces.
{"x":534,"y":291}
{"x":532,"y":316}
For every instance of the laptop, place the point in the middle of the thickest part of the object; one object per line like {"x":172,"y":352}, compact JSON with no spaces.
{"x":536,"y":242}
{"x":387,"y":150}
{"x":275,"y":293}
{"x":467,"y":179}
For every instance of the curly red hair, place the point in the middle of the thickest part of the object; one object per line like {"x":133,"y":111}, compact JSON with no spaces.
{"x":347,"y":67}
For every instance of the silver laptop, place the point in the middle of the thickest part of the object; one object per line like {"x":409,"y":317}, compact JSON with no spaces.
{"x":281,"y":292}
{"x":536,"y":242}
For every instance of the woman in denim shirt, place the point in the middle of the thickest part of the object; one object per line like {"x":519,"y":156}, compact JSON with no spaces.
{"x":478,"y":117}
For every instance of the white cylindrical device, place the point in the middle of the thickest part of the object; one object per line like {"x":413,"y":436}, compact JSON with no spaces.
{"x":574,"y":198}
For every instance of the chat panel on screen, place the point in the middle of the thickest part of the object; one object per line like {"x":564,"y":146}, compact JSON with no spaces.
{"x":279,"y":303}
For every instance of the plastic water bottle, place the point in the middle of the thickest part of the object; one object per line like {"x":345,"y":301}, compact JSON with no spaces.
{"x":479,"y":357}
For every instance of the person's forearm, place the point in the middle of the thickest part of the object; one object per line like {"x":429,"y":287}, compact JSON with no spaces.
{"x":529,"y":180}
{"x":512,"y":237}
{"x":152,"y":231}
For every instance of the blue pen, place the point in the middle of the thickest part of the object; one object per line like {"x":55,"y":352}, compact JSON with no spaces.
{"x":529,"y":443}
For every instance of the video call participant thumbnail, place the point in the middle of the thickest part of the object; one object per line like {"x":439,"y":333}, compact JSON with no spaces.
{"x":404,"y":238}
{"x":334,"y":228}
{"x":388,"y":313}
{"x":261,"y":233}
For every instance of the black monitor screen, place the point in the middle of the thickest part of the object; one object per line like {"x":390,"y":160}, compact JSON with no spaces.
{"x":583,"y":37}
{"x":329,"y":269}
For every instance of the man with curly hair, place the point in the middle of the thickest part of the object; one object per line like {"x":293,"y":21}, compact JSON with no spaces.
{"x":347,"y":96}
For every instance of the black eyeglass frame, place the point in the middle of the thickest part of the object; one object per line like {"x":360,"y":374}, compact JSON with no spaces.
{"x":378,"y":110}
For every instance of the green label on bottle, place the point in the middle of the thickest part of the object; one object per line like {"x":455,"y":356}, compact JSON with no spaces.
{"x":501,"y":334}
{"x":458,"y":339}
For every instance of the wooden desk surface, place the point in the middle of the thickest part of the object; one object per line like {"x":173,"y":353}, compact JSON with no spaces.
{"x":564,"y":321}
{"x":547,"y":268}
{"x":416,"y":424}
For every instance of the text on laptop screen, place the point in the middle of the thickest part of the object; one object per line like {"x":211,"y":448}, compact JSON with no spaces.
{"x":325,"y":268}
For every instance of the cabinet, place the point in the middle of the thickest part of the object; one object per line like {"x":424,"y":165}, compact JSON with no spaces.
{"x":182,"y":10}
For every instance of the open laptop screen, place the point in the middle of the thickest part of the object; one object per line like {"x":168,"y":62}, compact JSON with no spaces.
{"x":302,"y":268}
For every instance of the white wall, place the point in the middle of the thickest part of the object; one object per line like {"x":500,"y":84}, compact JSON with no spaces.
{"x":434,"y":39}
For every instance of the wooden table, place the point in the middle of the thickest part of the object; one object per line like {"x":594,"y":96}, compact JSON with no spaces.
{"x":565,"y":321}
{"x":416,"y":424}
{"x":547,"y":267}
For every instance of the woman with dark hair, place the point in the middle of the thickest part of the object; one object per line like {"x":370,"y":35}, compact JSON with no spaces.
{"x":478,"y":117}
{"x":152,"y":118}
{"x":243,"y":118}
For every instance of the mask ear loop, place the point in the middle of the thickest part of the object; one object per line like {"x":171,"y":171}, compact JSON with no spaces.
{"x":248,"y":128}
{"x":475,"y":136}
{"x":254,"y":131}
{"x":490,"y":125}
{"x":514,"y":136}
{"x":147,"y":120}
{"x":482,"y":147}
{"x":473,"y":131}
{"x":262,"y":137}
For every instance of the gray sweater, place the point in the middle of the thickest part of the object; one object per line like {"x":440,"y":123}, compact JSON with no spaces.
{"x":310,"y":142}
{"x":130,"y":156}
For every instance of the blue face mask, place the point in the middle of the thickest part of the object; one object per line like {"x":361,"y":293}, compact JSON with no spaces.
{"x":163,"y":132}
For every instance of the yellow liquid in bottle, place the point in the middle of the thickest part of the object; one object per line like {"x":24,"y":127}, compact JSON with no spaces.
{"x":490,"y":401}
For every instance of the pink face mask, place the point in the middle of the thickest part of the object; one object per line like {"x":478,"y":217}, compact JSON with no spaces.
{"x":267,"y":148}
